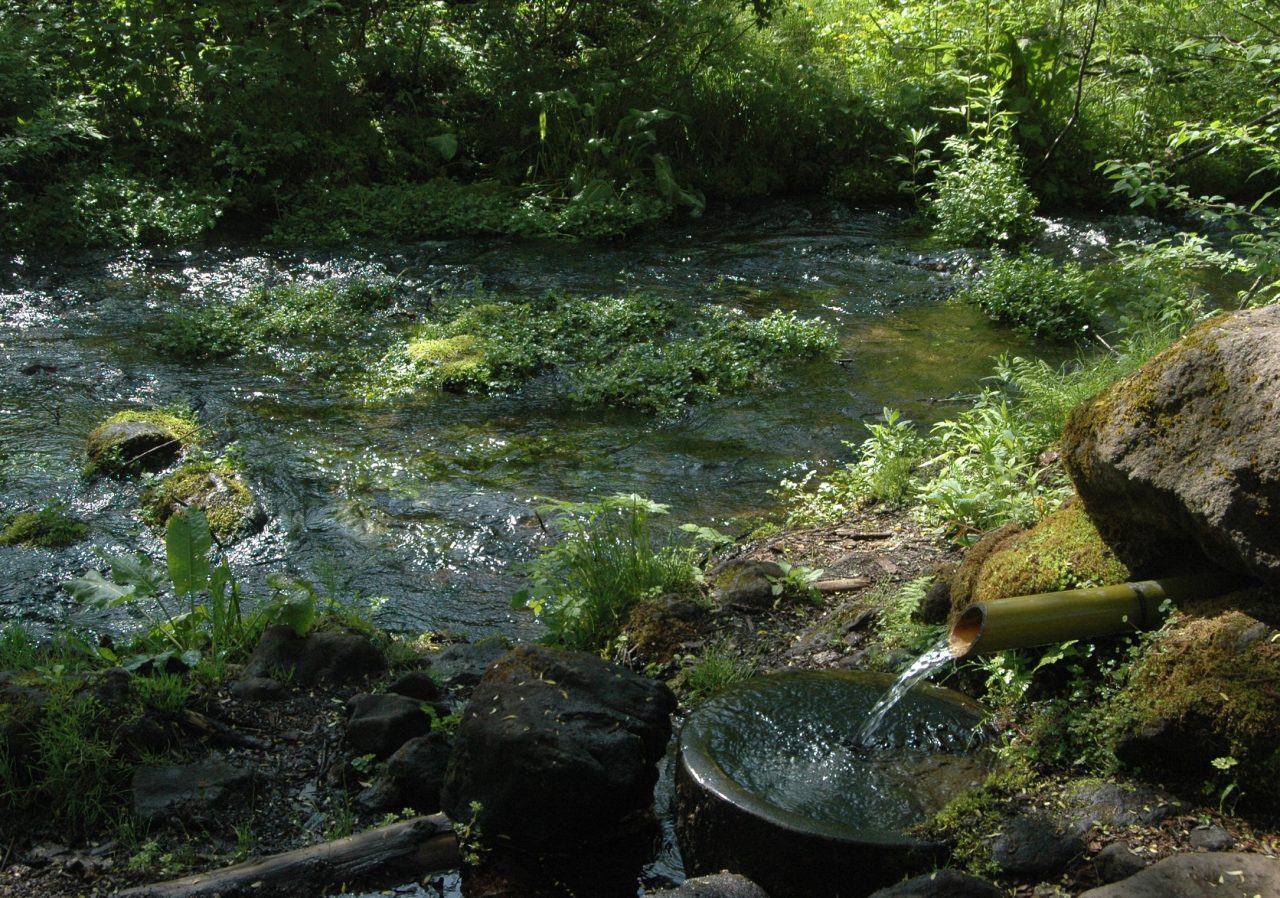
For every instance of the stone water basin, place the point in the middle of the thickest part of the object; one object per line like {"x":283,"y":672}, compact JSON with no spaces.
{"x":771,"y":784}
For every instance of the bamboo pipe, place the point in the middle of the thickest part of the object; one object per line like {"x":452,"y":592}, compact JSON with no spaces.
{"x":1023,"y":621}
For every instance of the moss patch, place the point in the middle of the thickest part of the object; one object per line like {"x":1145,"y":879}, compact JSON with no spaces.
{"x":49,"y":528}
{"x":1063,"y":551}
{"x":216,"y":488}
{"x":1212,"y":680}
{"x":450,"y":362}
{"x":138,"y":440}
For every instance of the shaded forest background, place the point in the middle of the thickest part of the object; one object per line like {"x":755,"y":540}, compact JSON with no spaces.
{"x":158,"y":121}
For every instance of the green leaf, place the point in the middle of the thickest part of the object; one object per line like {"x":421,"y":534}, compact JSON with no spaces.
{"x":187,"y":543}
{"x":298,"y":613}
{"x":138,"y":572}
{"x":446,"y":145}
{"x":96,"y":590}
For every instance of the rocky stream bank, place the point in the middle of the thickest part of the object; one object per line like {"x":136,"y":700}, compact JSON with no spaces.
{"x":1144,"y":764}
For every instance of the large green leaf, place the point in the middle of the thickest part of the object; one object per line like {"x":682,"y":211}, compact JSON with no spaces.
{"x":96,"y":590}
{"x":187,"y":543}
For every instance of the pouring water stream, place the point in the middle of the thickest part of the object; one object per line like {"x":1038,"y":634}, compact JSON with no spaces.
{"x":926,"y":664}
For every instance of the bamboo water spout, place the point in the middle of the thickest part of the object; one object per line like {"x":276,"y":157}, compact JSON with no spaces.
{"x":1023,"y":621}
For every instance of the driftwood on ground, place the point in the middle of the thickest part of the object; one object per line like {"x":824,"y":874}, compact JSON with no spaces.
{"x":848,"y":585}
{"x":385,"y":856}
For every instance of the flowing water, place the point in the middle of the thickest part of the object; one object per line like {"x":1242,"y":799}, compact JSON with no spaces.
{"x":918,"y":670}
{"x":429,"y":502}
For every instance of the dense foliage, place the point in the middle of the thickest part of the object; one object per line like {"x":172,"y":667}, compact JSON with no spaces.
{"x":137,"y":121}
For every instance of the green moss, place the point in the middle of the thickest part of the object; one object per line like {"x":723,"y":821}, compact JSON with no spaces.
{"x":1063,"y":551}
{"x":216,"y":488}
{"x":968,"y":822}
{"x":450,"y":362}
{"x":49,"y":528}
{"x":113,"y":448}
{"x":1213,"y":674}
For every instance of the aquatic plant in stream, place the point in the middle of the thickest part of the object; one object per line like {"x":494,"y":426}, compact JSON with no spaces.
{"x":633,"y":351}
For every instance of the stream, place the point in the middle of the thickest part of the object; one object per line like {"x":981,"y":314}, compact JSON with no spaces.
{"x":428,"y":503}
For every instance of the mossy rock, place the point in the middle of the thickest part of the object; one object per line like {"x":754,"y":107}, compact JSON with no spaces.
{"x":134,"y":442}
{"x":657,"y":629}
{"x":451,"y":362}
{"x":48,"y":528}
{"x":1062,"y":551}
{"x":1208,"y":689}
{"x":1179,"y":463}
{"x":966,"y":575}
{"x":215,"y":488}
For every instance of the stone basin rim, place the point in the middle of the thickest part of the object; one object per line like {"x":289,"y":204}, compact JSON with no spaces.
{"x":700,"y":763}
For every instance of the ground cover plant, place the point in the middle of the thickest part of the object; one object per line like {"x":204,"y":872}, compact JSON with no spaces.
{"x":607,"y":557}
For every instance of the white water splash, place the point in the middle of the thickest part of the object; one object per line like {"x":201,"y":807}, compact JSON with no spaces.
{"x":926,"y":664}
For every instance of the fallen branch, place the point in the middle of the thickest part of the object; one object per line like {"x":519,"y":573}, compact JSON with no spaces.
{"x":848,"y":585}
{"x":384,"y":856}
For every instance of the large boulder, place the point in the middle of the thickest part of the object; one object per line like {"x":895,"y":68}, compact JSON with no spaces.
{"x":322,"y":658}
{"x":132,"y":442}
{"x":1199,"y":875}
{"x":1182,"y":458}
{"x":556,"y":748}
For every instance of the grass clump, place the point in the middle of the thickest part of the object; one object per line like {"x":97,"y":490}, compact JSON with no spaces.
{"x":608,"y":558}
{"x":1035,"y":295}
{"x":634,"y":351}
{"x":715,"y":670}
{"x":48,"y":528}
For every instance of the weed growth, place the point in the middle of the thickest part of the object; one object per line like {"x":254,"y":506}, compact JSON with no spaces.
{"x":716,"y":669}
{"x":1035,"y":295}
{"x":634,"y":351}
{"x":608,"y":557}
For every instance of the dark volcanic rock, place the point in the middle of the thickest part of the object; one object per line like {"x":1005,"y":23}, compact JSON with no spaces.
{"x":942,"y":884}
{"x":1116,"y":862}
{"x":417,"y":769}
{"x":1182,"y":458}
{"x":381,"y":723}
{"x":416,"y":684}
{"x":1199,"y":875}
{"x":192,"y":791}
{"x":1211,"y":838}
{"x":326,"y":657}
{"x":465,"y":663}
{"x":259,"y":689}
{"x":557,"y":747}
{"x":745,"y":584}
{"x":1032,"y":846}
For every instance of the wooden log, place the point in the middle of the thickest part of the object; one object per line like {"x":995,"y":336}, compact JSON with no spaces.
{"x":848,"y":585}
{"x":385,"y":856}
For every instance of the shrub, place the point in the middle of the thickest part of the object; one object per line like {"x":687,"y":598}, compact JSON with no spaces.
{"x":979,"y":197}
{"x":1035,"y":295}
{"x":607,"y":559}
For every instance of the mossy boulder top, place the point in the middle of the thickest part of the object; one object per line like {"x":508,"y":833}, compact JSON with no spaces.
{"x":1181,"y":460}
{"x":134,"y":442}
{"x":217,"y":489}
